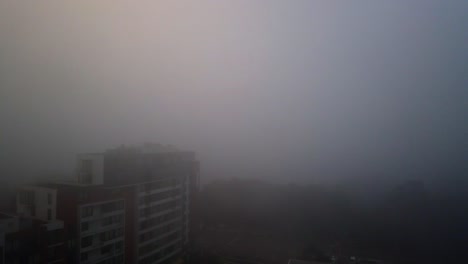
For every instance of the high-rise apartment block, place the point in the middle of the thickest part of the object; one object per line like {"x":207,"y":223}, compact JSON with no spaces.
{"x":127,"y":205}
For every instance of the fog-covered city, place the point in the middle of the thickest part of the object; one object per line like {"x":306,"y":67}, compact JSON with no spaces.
{"x":222,"y":131}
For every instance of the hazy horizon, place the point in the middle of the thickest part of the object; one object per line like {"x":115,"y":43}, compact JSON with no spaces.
{"x":286,"y":91}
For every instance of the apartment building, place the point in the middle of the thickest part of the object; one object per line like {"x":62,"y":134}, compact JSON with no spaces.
{"x":127,"y":205}
{"x":159,"y":182}
{"x":93,"y":217}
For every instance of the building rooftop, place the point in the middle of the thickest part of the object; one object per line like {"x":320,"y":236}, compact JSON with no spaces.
{"x":145,"y":148}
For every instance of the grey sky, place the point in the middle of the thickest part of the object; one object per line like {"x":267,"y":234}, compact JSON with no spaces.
{"x":283,"y":90}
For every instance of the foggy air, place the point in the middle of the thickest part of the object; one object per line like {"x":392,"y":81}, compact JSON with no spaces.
{"x":236,"y":132}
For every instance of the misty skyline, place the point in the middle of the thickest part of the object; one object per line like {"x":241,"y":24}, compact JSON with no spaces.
{"x":278,"y":90}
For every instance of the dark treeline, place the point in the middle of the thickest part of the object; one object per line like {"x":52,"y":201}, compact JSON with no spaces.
{"x":407,"y":223}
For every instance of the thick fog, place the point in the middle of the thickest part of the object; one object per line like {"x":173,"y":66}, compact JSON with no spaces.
{"x":289,"y":91}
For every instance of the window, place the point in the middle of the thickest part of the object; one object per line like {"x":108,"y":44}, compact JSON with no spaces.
{"x":87,"y":211}
{"x":112,"y":220}
{"x":119,"y":259}
{"x":171,"y":239}
{"x":86,"y":241}
{"x":117,"y":218}
{"x":110,"y":207}
{"x":159,"y":196}
{"x":119,"y":246}
{"x":84,"y":226}
{"x":107,"y":221}
{"x":106,"y":249}
{"x":71,"y":244}
{"x":111,"y":234}
{"x":158,"y":220}
{"x":49,"y":198}
{"x":49,"y":214}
